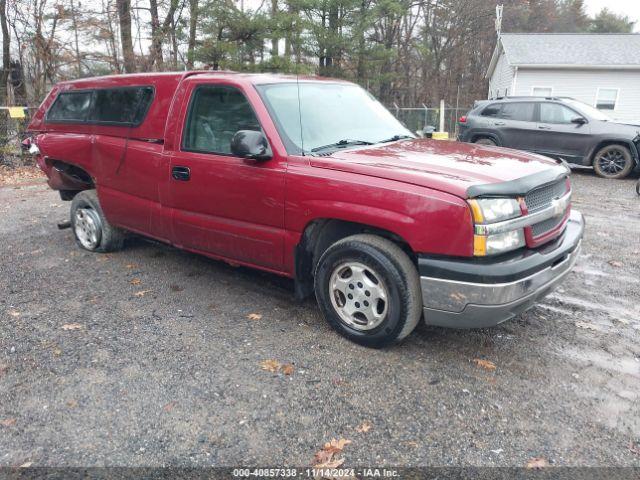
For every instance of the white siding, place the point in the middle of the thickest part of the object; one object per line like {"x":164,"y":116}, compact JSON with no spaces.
{"x":502,"y":78}
{"x":583,"y":85}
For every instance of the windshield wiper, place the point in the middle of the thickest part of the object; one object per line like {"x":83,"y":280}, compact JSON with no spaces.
{"x":395,"y":138}
{"x":342,"y":143}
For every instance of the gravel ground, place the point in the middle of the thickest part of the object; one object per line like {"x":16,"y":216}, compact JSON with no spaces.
{"x":148,"y":357}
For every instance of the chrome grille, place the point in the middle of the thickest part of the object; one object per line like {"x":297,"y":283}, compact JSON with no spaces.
{"x":546,"y":226}
{"x":541,"y":197}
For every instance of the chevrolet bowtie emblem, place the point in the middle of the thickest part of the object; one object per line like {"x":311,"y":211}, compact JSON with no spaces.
{"x":558,"y":207}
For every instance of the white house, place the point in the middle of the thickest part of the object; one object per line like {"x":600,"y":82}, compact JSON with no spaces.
{"x":602,"y":70}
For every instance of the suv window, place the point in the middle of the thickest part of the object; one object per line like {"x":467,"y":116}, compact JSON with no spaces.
{"x":127,"y":105}
{"x":522,"y":111}
{"x":70,"y":107}
{"x":556,"y":113}
{"x":216,"y":113}
{"x":492,"y":110}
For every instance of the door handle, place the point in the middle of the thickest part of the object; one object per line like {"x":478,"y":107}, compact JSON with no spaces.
{"x":181,"y":173}
{"x":499,"y":124}
{"x":544,"y":127}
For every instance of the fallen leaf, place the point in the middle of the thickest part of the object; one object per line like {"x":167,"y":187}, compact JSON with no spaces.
{"x":412,"y":444}
{"x":336,"y":446}
{"x":131,"y":266}
{"x":270,"y":365}
{"x":26,"y":464}
{"x":322,"y":457}
{"x":57,"y":352}
{"x":72,"y":326}
{"x":330,"y":464}
{"x":254,"y":316}
{"x":537,"y":463}
{"x":135,"y":281}
{"x":365,"y":427}
{"x":141,"y":293}
{"x":8,"y":422}
{"x":615,"y":263}
{"x":72,"y":404}
{"x":287,"y":369}
{"x":486,"y":364}
{"x":14,"y":313}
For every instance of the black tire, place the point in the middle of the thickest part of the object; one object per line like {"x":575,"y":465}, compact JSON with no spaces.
{"x":108,"y":238}
{"x":613,"y":161}
{"x":485,"y":141}
{"x":399,"y":279}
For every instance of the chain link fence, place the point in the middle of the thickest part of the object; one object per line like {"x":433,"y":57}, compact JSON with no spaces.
{"x":12,"y":132}
{"x":419,"y":118}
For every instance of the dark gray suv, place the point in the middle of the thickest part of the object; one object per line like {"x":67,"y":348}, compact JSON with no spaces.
{"x":561,"y":128}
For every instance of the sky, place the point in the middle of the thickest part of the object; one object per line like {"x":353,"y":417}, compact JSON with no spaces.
{"x":630,"y":8}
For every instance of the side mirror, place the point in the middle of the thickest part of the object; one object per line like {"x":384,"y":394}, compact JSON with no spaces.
{"x":250,"y":144}
{"x":579,"y":120}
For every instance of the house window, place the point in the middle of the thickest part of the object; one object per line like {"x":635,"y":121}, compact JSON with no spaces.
{"x":542,"y":91}
{"x":607,"y":98}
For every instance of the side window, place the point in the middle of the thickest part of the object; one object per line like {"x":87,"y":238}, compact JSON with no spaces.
{"x":215,"y":114}
{"x":70,"y":107}
{"x":492,"y":110}
{"x":127,"y":106}
{"x":522,"y":111}
{"x":555,"y":113}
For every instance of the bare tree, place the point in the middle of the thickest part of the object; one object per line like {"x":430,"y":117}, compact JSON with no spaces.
{"x":124,"y":15}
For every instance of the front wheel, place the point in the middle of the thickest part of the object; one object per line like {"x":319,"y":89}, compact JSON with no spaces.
{"x":368,"y":290}
{"x":92,"y":230}
{"x":613,"y":161}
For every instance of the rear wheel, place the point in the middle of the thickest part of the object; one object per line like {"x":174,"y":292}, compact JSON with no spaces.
{"x":92,"y":230}
{"x":485,"y":141}
{"x":613,"y":161}
{"x":369,"y":290}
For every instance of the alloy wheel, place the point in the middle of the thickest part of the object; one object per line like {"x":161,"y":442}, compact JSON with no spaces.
{"x":88,"y":227}
{"x":359,"y":295}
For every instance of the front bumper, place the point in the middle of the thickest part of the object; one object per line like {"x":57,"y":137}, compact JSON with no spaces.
{"x":484,"y":292}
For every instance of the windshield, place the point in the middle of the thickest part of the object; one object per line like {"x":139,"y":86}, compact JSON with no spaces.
{"x":332,"y":116}
{"x":588,"y":110}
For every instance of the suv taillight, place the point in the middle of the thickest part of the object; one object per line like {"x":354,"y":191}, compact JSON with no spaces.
{"x":463,"y":119}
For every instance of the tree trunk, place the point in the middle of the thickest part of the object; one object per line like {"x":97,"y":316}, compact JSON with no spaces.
{"x":124,"y":14}
{"x":74,"y":23}
{"x":6,"y":57}
{"x":193,"y":22}
{"x":274,"y":39}
{"x":156,"y":38}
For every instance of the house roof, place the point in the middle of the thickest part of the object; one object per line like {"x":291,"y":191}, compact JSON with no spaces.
{"x":567,"y":50}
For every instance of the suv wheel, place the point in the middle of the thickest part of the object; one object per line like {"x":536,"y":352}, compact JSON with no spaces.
{"x":368,"y":290}
{"x":485,"y":141}
{"x":613,"y":161}
{"x":92,"y":230}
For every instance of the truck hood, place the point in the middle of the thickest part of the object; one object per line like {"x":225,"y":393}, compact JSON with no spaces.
{"x":462,"y":169}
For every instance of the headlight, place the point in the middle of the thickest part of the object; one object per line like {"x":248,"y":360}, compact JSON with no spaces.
{"x":498,"y":243}
{"x":493,"y":210}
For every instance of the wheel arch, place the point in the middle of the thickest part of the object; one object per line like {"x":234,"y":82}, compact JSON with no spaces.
{"x":606,"y":142}
{"x":489,"y":135}
{"x":320,"y":234}
{"x":69,"y":179}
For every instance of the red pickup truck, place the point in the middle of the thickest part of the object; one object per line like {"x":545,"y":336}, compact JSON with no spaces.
{"x":315,"y":180}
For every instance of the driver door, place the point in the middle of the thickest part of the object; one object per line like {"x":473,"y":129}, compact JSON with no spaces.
{"x":221,"y":204}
